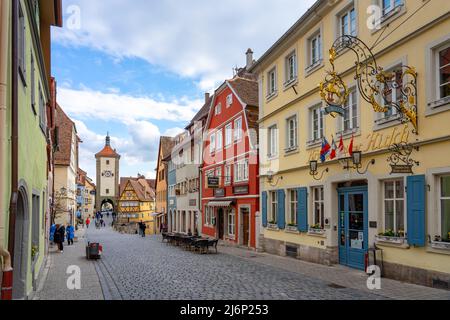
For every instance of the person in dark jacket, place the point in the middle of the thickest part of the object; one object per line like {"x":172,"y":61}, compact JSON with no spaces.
{"x":59,"y":237}
{"x":144,"y":226}
{"x":70,"y":231}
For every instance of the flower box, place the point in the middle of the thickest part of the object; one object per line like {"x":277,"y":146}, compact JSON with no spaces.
{"x":392,"y":240}
{"x":440,"y":245}
{"x":292,"y":228}
{"x":272,"y":226}
{"x":315,"y":231}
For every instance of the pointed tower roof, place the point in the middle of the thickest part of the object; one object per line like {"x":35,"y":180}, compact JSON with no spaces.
{"x":107,"y":151}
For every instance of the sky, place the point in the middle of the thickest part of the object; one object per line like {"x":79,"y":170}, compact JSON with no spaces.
{"x":141,"y":71}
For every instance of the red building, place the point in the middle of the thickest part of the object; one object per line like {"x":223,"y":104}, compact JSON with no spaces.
{"x":230,"y":197}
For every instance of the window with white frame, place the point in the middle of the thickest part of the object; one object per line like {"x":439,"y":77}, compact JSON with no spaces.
{"x":293,"y":204}
{"x":315,"y":47}
{"x":227,"y":175}
{"x":348,"y":22}
{"x":291,"y":67}
{"x":238,"y":129}
{"x":218,"y":109}
{"x":394,"y":206}
{"x":241,"y":171}
{"x":212,"y":143}
{"x":273,"y":197}
{"x":219,"y":140}
{"x":444,"y":207}
{"x":316,"y":123}
{"x":42,"y":112}
{"x":393,"y":91}
{"x":231,"y":222}
{"x":218,"y":174}
{"x":228,"y":135}
{"x":350,"y":118}
{"x":271,"y":82}
{"x":33,"y":83}
{"x":318,"y":207}
{"x":444,"y":72}
{"x":390,"y":5}
{"x":207,"y":215}
{"x":291,"y":137}
{"x":208,"y":173}
{"x":229,"y":100}
{"x":272,"y":141}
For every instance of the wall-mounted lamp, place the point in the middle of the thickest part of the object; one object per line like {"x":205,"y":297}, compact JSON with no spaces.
{"x":270,"y":178}
{"x":314,"y":170}
{"x":356,"y":159}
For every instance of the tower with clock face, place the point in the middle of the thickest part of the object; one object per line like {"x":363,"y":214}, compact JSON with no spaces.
{"x":107,"y":193}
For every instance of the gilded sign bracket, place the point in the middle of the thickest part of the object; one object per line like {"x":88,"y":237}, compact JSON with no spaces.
{"x":375,"y":85}
{"x":400,"y":158}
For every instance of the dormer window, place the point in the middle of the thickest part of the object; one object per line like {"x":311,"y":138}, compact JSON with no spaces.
{"x":218,"y":109}
{"x":229,"y":100}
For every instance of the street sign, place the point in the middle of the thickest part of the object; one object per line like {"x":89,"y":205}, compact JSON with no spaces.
{"x":401,"y":169}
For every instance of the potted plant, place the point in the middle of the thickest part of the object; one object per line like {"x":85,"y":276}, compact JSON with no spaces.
{"x":390,"y":236}
{"x":441,"y":242}
{"x":272,"y":224}
{"x":316,"y":229}
{"x":292,"y":227}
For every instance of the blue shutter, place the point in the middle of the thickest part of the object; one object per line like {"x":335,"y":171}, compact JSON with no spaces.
{"x":281,"y":209}
{"x":264,"y":209}
{"x":302,"y":210}
{"x":416,"y":210}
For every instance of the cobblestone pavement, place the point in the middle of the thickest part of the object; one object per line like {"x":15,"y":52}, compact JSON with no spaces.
{"x":53,"y":284}
{"x":144,"y":268}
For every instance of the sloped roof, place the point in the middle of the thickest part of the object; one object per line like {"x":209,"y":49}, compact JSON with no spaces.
{"x":107,"y":152}
{"x":140,"y":186}
{"x":66,"y":129}
{"x":150,"y":183}
{"x":246,"y":89}
{"x":202,"y":113}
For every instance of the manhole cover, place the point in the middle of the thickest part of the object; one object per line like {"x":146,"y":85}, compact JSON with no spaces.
{"x":336,"y":286}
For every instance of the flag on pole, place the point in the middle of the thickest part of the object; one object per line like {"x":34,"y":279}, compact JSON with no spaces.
{"x":350,"y":148}
{"x":333,"y":150}
{"x":325,"y":150}
{"x":341,"y":149}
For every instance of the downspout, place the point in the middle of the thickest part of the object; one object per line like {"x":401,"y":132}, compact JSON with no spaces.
{"x":4,"y":29}
{"x":7,"y":279}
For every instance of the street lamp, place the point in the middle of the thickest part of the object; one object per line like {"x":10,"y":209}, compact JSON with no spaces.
{"x":270,"y":177}
{"x":314,"y":170}
{"x":356,"y":160}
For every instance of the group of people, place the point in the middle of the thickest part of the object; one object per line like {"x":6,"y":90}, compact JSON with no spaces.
{"x":58,"y":234}
{"x":99,"y":222}
{"x":142,"y":228}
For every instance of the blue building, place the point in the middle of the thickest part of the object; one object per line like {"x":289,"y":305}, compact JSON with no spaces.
{"x":171,"y":193}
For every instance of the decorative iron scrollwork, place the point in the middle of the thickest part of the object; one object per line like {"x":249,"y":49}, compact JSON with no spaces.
{"x":400,"y":160}
{"x":374,"y":84}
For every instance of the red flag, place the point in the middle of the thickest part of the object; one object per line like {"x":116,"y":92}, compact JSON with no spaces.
{"x":350,"y":148}
{"x":333,"y":150}
{"x":341,"y":151}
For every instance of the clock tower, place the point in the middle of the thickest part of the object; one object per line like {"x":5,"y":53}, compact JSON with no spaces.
{"x":107,"y":177}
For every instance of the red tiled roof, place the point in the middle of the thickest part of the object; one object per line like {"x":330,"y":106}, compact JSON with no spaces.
{"x":66,"y":129}
{"x":246,"y":89}
{"x":141,"y":186}
{"x":107,"y":152}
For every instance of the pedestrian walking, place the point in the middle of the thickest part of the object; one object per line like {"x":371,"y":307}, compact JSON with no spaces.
{"x":144,"y":226}
{"x":59,"y":237}
{"x":102,"y":223}
{"x":52,"y":232}
{"x":70,"y":233}
{"x":88,"y":222}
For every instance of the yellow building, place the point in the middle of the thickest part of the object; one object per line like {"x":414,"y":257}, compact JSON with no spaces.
{"x":334,"y":214}
{"x":89,"y":198}
{"x":137,"y":203}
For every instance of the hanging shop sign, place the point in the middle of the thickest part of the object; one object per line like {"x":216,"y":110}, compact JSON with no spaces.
{"x":374,"y":83}
{"x":400,"y":158}
{"x":334,"y":110}
{"x":213,"y":182}
{"x":219,"y":192}
{"x":240,"y":190}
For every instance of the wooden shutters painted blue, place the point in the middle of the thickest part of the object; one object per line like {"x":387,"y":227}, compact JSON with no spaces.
{"x":302,"y":209}
{"x":416,"y":210}
{"x":281,"y":209}
{"x":264,"y":209}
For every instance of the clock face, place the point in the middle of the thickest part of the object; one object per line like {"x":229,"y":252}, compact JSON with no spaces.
{"x":107,"y":174}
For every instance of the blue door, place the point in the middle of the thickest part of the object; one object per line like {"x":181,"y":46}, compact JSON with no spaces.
{"x":353,"y":226}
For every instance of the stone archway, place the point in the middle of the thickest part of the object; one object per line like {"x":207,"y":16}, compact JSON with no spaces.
{"x":21,"y":246}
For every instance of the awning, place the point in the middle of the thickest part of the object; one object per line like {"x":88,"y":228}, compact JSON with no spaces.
{"x":221,"y":204}
{"x":155,"y":214}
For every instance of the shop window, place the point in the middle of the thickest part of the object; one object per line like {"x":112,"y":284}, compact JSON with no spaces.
{"x":394,"y":207}
{"x":444,"y":205}
{"x":293,"y":205}
{"x":318,"y":207}
{"x":231,"y":222}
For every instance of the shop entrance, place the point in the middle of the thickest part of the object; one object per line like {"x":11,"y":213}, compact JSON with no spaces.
{"x":245,"y":214}
{"x":220,"y":223}
{"x":353,"y":226}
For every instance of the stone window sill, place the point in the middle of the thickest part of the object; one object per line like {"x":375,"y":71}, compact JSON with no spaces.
{"x":438,"y":106}
{"x":271,"y":96}
{"x":316,"y":232}
{"x":314,"y":67}
{"x":292,"y":229}
{"x":290,"y":83}
{"x":392,"y":242}
{"x":314,"y":143}
{"x":440,"y":245}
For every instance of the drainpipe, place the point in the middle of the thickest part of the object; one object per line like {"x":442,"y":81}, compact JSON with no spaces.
{"x":7,"y":279}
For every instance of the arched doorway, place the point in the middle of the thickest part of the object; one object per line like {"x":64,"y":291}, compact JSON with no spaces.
{"x":21,"y":247}
{"x":107,"y":205}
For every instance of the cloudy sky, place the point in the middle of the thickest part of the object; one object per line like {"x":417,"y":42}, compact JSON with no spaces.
{"x":139,"y":69}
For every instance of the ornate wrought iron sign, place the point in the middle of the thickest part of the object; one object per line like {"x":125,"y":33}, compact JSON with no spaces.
{"x":400,"y":160}
{"x":374,"y":84}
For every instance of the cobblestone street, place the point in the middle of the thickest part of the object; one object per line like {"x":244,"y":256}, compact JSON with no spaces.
{"x":144,"y":268}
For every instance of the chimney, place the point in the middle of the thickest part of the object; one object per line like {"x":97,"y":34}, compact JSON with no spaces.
{"x":249,"y":55}
{"x":207,"y":96}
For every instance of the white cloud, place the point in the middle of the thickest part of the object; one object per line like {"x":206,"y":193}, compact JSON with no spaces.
{"x":172,"y":132}
{"x":201,"y":39}
{"x":88,"y":104}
